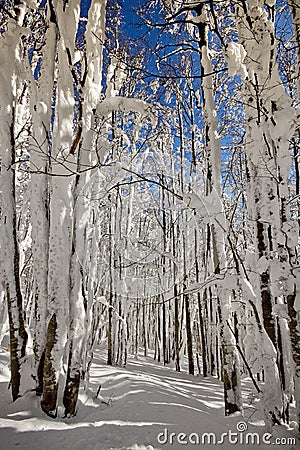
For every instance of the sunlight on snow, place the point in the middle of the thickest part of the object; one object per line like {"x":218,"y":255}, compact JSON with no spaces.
{"x":35,"y":424}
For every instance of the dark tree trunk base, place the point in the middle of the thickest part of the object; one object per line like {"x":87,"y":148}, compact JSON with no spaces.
{"x":50,"y":386}
{"x":71,"y":395}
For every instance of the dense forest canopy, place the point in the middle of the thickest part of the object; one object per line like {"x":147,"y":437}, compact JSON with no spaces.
{"x":150,"y":193}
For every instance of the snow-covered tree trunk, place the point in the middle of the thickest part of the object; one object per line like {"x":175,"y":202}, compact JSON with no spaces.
{"x":41,"y":111}
{"x":10,"y":52}
{"x":270,"y":125}
{"x":61,"y":213}
{"x":293,"y":298}
{"x":90,"y":95}
{"x":230,"y":359}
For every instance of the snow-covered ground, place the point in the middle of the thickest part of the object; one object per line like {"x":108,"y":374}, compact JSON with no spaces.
{"x":138,"y":407}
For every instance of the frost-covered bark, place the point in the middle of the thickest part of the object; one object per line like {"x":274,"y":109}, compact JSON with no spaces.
{"x":10,"y":48}
{"x":270,"y":125}
{"x":93,"y":236}
{"x":89,"y":96}
{"x":60,"y":213}
{"x":230,"y":359}
{"x":41,"y":110}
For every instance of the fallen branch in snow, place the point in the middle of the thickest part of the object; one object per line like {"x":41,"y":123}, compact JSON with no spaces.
{"x":98,"y":391}
{"x":105,"y":402}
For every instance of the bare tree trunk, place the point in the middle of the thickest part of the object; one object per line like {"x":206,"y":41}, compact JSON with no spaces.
{"x":176,"y":330}
{"x":110,"y":331}
{"x":189,"y":336}
{"x":202,"y":334}
{"x":213,"y":332}
{"x":144,"y":329}
{"x":200,"y":312}
{"x":164,"y":332}
{"x":295,"y":343}
{"x":50,"y":385}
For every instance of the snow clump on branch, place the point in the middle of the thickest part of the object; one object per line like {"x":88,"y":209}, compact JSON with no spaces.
{"x":235,"y":56}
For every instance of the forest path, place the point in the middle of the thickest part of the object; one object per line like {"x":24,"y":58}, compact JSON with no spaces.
{"x":138,"y":408}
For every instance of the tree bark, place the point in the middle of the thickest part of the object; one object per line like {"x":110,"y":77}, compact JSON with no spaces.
{"x":9,"y":250}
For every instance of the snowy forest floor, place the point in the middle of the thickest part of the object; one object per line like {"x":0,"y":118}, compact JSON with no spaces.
{"x":134,"y":406}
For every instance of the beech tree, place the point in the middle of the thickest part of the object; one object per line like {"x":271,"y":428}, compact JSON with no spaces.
{"x":56,"y":84}
{"x":163,"y":184}
{"x":234,"y":40}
